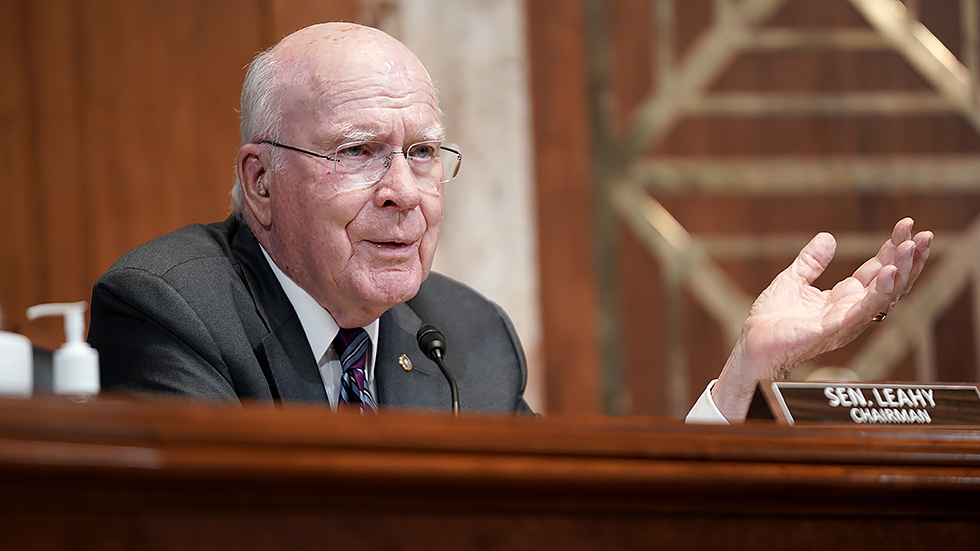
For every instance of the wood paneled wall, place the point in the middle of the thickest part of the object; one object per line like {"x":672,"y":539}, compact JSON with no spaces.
{"x":565,"y":211}
{"x":118,"y":123}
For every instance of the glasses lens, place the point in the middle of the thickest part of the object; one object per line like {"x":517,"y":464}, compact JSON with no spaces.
{"x":362,"y":163}
{"x":432,"y":163}
{"x":451,"y":159}
{"x":365,"y":163}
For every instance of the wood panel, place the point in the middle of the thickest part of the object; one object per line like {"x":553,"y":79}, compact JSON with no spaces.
{"x":118,"y":123}
{"x":565,"y":206}
{"x":168,"y":474}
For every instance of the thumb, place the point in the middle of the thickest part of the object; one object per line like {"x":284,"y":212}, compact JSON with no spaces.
{"x":814,"y":258}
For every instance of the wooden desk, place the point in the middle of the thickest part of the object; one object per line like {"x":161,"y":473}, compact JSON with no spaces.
{"x":168,"y":474}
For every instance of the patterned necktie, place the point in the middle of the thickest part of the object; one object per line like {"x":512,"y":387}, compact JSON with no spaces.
{"x":352,"y":345}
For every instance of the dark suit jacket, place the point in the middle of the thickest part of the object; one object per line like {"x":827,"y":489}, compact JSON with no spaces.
{"x":199,"y":312}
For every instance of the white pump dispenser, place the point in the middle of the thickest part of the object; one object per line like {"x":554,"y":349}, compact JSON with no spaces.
{"x":76,"y":364}
{"x":16,"y":365}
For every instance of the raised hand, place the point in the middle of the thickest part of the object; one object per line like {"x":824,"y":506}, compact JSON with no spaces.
{"x":792,"y":321}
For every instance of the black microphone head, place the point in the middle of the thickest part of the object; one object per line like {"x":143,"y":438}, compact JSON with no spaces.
{"x":431,"y":341}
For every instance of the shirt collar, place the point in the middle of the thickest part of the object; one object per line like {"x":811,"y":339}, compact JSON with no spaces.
{"x":319,"y":325}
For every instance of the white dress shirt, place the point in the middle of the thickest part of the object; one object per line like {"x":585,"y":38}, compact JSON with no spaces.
{"x":321,"y":329}
{"x":705,"y":412}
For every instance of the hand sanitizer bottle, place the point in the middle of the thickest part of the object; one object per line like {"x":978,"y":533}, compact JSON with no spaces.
{"x":16,"y":365}
{"x":76,"y":364}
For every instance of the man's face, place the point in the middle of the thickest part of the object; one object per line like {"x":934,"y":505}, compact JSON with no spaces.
{"x":360,"y":250}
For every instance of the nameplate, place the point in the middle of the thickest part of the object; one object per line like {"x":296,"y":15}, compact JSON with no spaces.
{"x":796,"y":403}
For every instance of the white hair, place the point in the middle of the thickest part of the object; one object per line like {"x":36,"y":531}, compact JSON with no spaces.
{"x":260,"y":111}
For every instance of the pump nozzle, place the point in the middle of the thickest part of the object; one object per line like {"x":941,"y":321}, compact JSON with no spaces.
{"x":73,"y":311}
{"x":76,"y":364}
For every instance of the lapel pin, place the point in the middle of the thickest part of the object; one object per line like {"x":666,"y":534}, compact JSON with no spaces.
{"x":405,"y":362}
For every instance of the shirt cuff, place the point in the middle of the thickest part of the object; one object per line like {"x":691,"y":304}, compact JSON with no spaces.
{"x":705,"y":412}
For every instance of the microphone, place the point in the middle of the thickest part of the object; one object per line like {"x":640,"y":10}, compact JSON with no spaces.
{"x":433,"y":344}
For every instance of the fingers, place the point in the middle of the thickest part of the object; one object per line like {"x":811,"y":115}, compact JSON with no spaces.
{"x":885,"y":278}
{"x":903,"y":252}
{"x":922,"y":240}
{"x":876,"y":299}
{"x":867,"y":272}
{"x":903,"y":269}
{"x":909,"y":258}
{"x":813,"y":258}
{"x":888,"y":254}
{"x":902,"y":231}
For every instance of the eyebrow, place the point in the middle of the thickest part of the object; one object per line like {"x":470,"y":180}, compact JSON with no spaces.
{"x":349,"y":133}
{"x":434,"y":133}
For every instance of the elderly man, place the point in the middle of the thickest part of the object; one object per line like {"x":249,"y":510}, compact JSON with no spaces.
{"x":315,"y":287}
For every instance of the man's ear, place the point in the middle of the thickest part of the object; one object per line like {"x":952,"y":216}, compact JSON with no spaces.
{"x":254,"y":171}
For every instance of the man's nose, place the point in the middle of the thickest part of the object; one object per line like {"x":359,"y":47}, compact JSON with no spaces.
{"x":398,"y":186}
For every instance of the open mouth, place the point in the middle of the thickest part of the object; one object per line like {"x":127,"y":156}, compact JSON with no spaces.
{"x":393,"y":246}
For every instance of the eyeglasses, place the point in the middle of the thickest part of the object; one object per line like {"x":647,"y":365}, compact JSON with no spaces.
{"x":363,"y":164}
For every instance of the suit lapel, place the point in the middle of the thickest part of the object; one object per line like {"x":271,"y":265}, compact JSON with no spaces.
{"x":417,"y":383}
{"x":284,"y":353}
{"x":288,"y":363}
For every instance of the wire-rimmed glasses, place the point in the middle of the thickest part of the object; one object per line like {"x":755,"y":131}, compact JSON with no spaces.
{"x":363,"y":164}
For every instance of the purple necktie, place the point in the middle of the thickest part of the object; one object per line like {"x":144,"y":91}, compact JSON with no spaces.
{"x":352,"y":345}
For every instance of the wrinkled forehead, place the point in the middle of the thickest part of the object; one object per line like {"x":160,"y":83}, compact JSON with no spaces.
{"x":336,"y":76}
